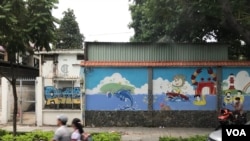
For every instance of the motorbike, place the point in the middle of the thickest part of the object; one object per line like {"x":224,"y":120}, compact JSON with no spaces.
{"x":228,"y":117}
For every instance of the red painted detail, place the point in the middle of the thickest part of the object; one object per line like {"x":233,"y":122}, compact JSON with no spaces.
{"x":172,"y":95}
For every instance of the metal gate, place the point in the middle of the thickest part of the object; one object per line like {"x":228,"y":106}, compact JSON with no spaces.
{"x":26,"y":101}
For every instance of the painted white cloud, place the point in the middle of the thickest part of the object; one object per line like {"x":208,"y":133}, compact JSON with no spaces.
{"x":242,"y":79}
{"x":95,"y":90}
{"x":161,"y":86}
{"x":114,"y":78}
{"x":188,"y":89}
{"x":142,"y":90}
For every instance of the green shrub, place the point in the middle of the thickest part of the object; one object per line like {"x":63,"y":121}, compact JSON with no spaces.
{"x":198,"y":138}
{"x":48,"y":135}
{"x":105,"y":136}
{"x":30,"y":136}
{"x":192,"y":138}
{"x":3,"y":132}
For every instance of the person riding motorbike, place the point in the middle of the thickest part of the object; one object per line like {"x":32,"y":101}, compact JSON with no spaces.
{"x":238,"y":106}
{"x":239,"y":115}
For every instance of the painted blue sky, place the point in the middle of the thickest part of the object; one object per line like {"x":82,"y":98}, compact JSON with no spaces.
{"x":136,"y":76}
{"x":169,"y":73}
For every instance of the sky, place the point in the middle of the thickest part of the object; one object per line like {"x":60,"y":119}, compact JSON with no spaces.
{"x":99,"y":20}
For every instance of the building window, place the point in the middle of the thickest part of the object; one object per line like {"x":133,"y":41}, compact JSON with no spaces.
{"x":80,"y":57}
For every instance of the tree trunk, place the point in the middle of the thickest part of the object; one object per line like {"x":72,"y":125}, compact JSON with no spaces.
{"x":14,"y":91}
{"x":15,"y":106}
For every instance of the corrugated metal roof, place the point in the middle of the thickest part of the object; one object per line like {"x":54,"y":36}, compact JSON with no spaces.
{"x":122,"y":51}
{"x":62,"y":51}
{"x":163,"y":64}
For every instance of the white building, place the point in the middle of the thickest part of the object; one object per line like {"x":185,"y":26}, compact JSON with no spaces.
{"x":60,"y":85}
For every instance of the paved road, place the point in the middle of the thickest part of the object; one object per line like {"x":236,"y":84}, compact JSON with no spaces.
{"x":128,"y":133}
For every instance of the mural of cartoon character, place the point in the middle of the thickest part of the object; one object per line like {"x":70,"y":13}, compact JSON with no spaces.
{"x":177,"y":86}
{"x":121,"y":91}
{"x":239,"y":95}
{"x":231,"y":92}
{"x":228,"y":99}
{"x":203,"y":87}
{"x":178,"y":83}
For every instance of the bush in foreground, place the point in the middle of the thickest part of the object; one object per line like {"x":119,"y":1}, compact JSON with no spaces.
{"x":48,"y":135}
{"x":106,"y":136}
{"x":193,"y":138}
{"x":30,"y":136}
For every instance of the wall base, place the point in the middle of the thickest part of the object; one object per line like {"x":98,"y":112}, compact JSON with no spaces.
{"x":201,"y":119}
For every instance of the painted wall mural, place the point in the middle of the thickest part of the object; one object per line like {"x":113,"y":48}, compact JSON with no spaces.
{"x":62,"y":98}
{"x":184,"y":88}
{"x":116,"y":89}
{"x":236,"y":83}
{"x":173,"y":89}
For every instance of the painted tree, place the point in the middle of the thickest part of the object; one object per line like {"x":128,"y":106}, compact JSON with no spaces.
{"x":23,"y":22}
{"x":68,"y":34}
{"x":193,"y":21}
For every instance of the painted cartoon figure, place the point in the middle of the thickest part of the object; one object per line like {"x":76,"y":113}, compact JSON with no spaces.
{"x":239,"y":95}
{"x":178,"y":83}
{"x":177,"y":86}
{"x":228,"y":99}
{"x":203,"y":87}
{"x":231,"y":93}
{"x":200,"y":100}
{"x":121,"y":91}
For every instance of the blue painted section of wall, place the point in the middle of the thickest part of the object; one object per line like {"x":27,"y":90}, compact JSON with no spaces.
{"x":236,"y":83}
{"x":184,"y":88}
{"x":116,"y":88}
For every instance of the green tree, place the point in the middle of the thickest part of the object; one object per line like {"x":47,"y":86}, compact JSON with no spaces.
{"x":192,"y":21}
{"x":69,"y":35}
{"x":24,"y":22}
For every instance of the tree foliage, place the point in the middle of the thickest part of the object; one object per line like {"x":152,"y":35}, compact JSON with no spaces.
{"x":68,"y":34}
{"x":23,"y":22}
{"x":192,"y":21}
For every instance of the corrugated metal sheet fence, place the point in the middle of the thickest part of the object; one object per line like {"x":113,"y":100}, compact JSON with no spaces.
{"x":100,"y":51}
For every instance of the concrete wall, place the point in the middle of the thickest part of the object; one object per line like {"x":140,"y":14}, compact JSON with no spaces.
{"x":56,"y":76}
{"x":67,"y":67}
{"x":50,"y":116}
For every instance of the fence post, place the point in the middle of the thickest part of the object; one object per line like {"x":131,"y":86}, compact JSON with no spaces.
{"x":219,"y":88}
{"x":39,"y":101}
{"x":5,"y":100}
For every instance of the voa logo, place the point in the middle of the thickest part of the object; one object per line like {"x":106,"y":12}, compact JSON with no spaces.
{"x":236,"y":132}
